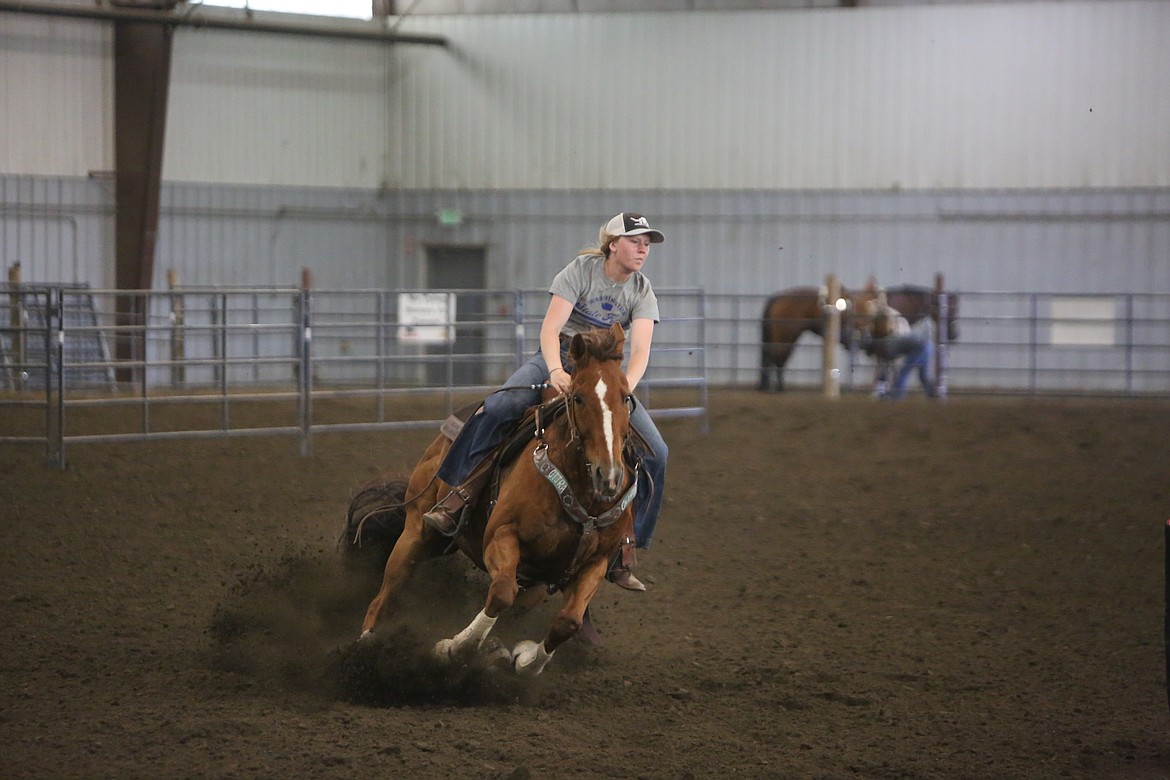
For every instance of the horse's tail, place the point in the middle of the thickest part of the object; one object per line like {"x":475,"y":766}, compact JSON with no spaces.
{"x":373,"y":523}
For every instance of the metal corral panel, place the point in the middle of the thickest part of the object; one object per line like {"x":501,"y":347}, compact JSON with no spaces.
{"x":56,"y":96}
{"x":1070,"y":94}
{"x":276,"y":109}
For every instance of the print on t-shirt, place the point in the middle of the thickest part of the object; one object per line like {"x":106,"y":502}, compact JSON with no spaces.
{"x":602,"y":311}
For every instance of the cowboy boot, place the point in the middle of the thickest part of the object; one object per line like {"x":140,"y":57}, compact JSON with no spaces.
{"x":620,"y":573}
{"x":442,"y":517}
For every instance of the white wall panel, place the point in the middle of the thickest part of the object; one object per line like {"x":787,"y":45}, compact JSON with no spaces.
{"x":1072,"y":94}
{"x":56,"y":96}
{"x":275,"y":109}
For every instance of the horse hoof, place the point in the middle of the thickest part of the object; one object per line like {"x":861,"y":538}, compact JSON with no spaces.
{"x":367,"y":636}
{"x":494,"y":653}
{"x":529,"y":658}
{"x":444,"y":649}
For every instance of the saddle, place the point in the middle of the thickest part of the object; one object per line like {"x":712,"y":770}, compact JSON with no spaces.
{"x":532,"y":424}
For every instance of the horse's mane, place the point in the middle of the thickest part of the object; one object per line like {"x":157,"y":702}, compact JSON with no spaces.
{"x":601,"y":345}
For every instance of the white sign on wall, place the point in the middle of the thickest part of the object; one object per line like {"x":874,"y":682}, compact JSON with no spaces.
{"x":426,"y":318}
{"x":1080,"y":319}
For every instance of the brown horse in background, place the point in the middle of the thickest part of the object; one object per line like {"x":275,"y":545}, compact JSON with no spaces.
{"x":563,"y":508}
{"x":914,"y":302}
{"x":797,"y":310}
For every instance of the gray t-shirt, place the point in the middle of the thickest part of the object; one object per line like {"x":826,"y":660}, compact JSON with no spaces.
{"x":599,"y":302}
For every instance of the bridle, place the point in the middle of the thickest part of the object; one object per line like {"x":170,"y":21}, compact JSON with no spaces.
{"x":569,"y":502}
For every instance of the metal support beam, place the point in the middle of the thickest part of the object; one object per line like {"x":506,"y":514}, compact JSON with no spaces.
{"x":142,"y":68}
{"x":354,"y":30}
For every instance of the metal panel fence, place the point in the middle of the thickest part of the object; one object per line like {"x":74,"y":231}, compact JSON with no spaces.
{"x":199,"y":362}
{"x":1008,"y":342}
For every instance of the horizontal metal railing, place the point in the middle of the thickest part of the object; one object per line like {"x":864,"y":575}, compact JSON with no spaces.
{"x":242,"y":362}
{"x":190,"y":363}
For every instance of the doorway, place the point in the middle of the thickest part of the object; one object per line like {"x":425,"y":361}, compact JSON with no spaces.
{"x":461,"y":268}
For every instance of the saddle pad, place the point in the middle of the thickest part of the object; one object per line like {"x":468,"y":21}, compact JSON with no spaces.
{"x":455,"y":422}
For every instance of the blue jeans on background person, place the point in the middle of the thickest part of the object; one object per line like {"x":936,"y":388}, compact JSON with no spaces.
{"x":503,"y":409}
{"x":921,"y":360}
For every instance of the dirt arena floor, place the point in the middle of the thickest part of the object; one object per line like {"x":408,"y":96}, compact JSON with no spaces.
{"x":848,"y":589}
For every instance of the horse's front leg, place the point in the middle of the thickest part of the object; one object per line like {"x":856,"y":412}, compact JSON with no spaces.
{"x":469,"y":639}
{"x":529,"y":657}
{"x":501,"y":557}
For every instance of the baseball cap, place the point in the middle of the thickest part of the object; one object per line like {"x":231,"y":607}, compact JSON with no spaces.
{"x":629,"y":223}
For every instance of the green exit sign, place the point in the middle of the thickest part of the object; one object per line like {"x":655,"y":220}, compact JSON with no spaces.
{"x":450,"y":217}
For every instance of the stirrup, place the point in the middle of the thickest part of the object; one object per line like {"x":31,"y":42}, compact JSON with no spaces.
{"x":621,"y":567}
{"x":442,"y":520}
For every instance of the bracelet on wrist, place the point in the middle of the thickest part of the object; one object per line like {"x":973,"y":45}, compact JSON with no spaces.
{"x":558,"y":368}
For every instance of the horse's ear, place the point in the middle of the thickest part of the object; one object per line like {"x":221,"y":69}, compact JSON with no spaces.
{"x":871,"y":285}
{"x":577,"y":348}
{"x":619,"y":336}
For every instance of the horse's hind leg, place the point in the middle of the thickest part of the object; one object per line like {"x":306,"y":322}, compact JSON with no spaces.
{"x":409,"y":550}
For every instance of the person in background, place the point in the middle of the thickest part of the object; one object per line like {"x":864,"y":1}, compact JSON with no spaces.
{"x":901,"y":349}
{"x":604,"y":284}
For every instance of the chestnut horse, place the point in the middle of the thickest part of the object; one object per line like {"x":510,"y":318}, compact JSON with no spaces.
{"x":797,"y":310}
{"x":563,"y":508}
{"x":914,"y":303}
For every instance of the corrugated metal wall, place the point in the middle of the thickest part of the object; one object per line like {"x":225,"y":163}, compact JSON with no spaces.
{"x":57,"y":96}
{"x":975,"y":96}
{"x":275,"y":109}
{"x":981,"y":96}
{"x":58,"y":230}
{"x":1009,"y":147}
{"x":1114,"y":240}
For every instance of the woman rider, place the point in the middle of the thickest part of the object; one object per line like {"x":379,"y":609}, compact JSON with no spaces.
{"x":603,"y":285}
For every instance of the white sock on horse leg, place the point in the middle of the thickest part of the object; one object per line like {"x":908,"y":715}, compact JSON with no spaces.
{"x":477,"y":631}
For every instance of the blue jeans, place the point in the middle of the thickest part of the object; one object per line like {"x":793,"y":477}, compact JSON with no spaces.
{"x":919,"y":360}
{"x":502,"y":410}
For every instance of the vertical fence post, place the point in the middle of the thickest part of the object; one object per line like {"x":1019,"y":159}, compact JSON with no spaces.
{"x":222,"y":342}
{"x":306,"y":372}
{"x":1034,"y":345}
{"x":55,"y":321}
{"x":178,"y":320}
{"x":143,"y":339}
{"x":16,"y":319}
{"x":518,"y":319}
{"x":942,"y":334}
{"x":255,"y":338}
{"x":1129,"y":339}
{"x":704,"y":423}
{"x":830,"y":374}
{"x":380,"y":352}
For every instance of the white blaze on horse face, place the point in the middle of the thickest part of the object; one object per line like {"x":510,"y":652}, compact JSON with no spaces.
{"x":606,"y":415}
